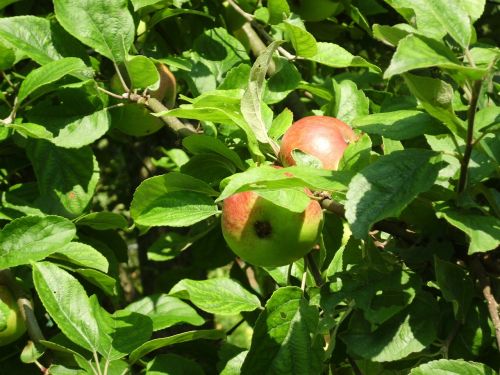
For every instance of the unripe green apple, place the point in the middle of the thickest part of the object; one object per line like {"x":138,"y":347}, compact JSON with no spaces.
{"x":265,"y":234}
{"x":134,"y":119}
{"x":323,"y":137}
{"x":12,"y":324}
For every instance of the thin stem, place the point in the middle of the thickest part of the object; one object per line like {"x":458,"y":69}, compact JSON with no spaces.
{"x":333,"y":336}
{"x":485,"y":285}
{"x":122,"y":80}
{"x":93,"y":368}
{"x":112,"y":94}
{"x":313,"y":267}
{"x":354,"y":366}
{"x":447,"y":343}
{"x":235,"y":327}
{"x":98,"y":366}
{"x":304,"y":275}
{"x":469,"y":141}
{"x":106,"y":367}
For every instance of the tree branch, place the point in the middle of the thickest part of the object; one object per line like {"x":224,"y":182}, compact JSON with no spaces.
{"x":469,"y":141}
{"x":251,"y":19}
{"x":173,"y":123}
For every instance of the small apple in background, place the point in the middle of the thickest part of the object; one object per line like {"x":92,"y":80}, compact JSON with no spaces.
{"x":12,"y":325}
{"x":265,"y":234}
{"x":323,"y":137}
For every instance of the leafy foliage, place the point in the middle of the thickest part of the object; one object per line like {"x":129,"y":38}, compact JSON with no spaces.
{"x":116,"y":238}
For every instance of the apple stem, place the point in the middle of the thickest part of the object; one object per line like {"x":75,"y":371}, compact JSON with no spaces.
{"x":313,"y":267}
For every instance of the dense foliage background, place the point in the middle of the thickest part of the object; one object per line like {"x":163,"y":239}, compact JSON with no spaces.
{"x":111,"y":240}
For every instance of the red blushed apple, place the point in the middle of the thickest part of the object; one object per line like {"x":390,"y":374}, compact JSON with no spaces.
{"x":323,"y":137}
{"x":265,"y":234}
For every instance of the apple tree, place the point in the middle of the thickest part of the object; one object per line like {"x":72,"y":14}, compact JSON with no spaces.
{"x":249,"y":187}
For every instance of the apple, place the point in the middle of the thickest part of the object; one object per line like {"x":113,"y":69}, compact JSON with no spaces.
{"x":135,"y":120}
{"x":323,"y":137}
{"x":265,"y":234}
{"x":12,"y":324}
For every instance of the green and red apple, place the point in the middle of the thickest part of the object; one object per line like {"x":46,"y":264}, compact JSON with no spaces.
{"x":323,"y":137}
{"x":268,"y":235}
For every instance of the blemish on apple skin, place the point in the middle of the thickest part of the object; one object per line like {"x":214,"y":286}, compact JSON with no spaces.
{"x":263,"y":229}
{"x":71,"y":195}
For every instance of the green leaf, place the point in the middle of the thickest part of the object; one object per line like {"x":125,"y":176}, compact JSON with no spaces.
{"x":166,"y":311}
{"x":285,"y":79}
{"x":399,"y":125}
{"x":49,"y":73}
{"x":214,"y":53}
{"x":348,"y":102}
{"x":220,"y":296}
{"x":101,"y":280}
{"x":148,"y":347}
{"x":455,"y":285}
{"x":174,"y":199}
{"x":7,"y":57}
{"x":303,"y":42}
{"x":142,"y":72}
{"x":74,"y":131}
{"x":280,"y":124}
{"x":173,"y":364}
{"x":177,"y":209}
{"x":483,"y":231}
{"x":106,"y":26}
{"x":452,"y":367}
{"x":201,"y":144}
{"x":30,"y":130}
{"x":295,"y":200}
{"x":436,"y":97}
{"x":252,"y":98}
{"x":102,"y":220}
{"x":4,"y":3}
{"x":121,"y":332}
{"x":285,"y":338}
{"x":268,"y":178}
{"x":174,"y":12}
{"x":436,"y":18}
{"x":408,"y":332}
{"x":22,"y":33}
{"x":416,"y":52}
{"x":278,"y":9}
{"x":385,"y":187}
{"x":333,"y":55}
{"x":67,"y":303}
{"x":391,"y":35}
{"x":82,"y":255}
{"x":33,"y":238}
{"x":66,"y":178}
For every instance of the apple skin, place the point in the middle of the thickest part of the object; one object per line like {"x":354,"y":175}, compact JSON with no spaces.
{"x":15,"y":322}
{"x":265,"y":234}
{"x":324,"y":137}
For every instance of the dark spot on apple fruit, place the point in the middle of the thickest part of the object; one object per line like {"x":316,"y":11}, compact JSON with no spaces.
{"x":263,"y":229}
